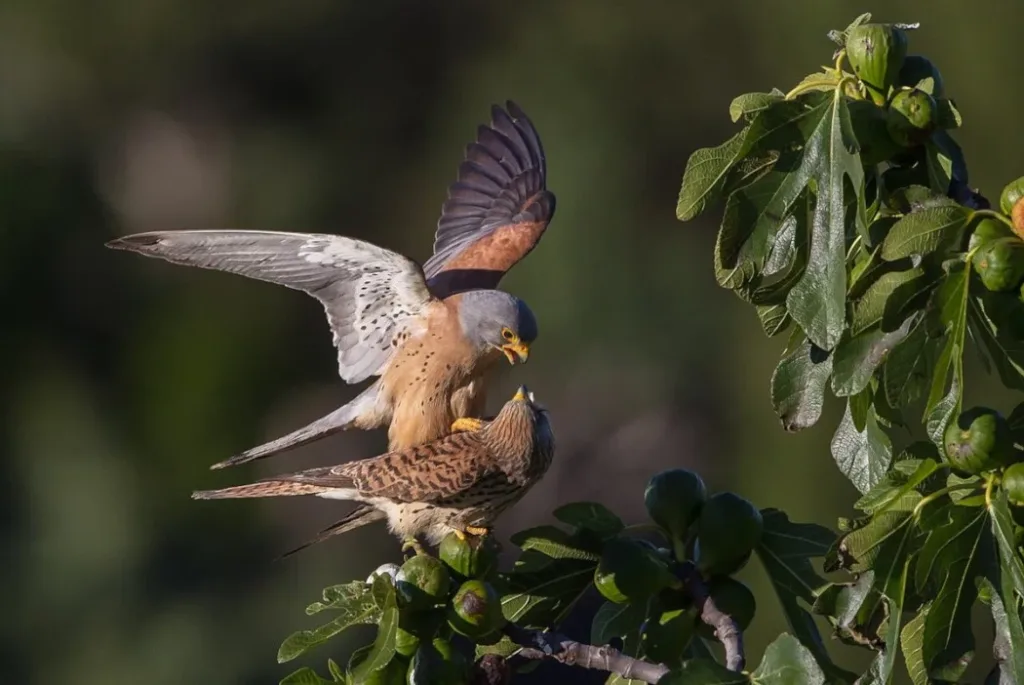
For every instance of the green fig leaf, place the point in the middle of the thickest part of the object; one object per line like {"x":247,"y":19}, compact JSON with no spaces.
{"x":798,"y":386}
{"x":926,"y":231}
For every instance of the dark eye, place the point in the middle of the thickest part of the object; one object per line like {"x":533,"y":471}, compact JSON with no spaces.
{"x":507,"y":334}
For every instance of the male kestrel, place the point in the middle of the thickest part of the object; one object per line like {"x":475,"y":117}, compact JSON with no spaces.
{"x":460,"y":482}
{"x":430,"y":333}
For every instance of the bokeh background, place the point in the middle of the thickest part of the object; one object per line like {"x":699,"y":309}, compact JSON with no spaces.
{"x":124,"y":378}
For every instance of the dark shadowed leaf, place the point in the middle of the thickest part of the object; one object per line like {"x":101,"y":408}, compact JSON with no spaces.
{"x":703,"y":672}
{"x":787,"y":662}
{"x":798,"y":386}
{"x":997,"y":320}
{"x":949,"y":305}
{"x":539,"y":599}
{"x":907,"y":369}
{"x":785,"y":551}
{"x":857,"y":358}
{"x":616,"y":620}
{"x":926,"y":231}
{"x":862,"y":456}
{"x":589,"y":515}
{"x":952,"y":556}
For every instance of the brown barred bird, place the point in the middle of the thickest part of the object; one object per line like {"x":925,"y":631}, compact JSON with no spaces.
{"x":430,"y":334}
{"x":459,"y":483}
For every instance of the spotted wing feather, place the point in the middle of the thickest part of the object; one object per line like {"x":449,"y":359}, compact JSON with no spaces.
{"x":496,"y":211}
{"x":373,"y":297}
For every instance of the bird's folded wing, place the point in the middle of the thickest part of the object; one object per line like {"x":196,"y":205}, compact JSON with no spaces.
{"x":427,"y":473}
{"x":497,"y":210}
{"x":373,"y":297}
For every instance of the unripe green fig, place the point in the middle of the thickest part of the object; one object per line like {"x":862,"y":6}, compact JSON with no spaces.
{"x":1000,"y":264}
{"x":1012,"y":193}
{"x":986,"y":231}
{"x":674,"y":499}
{"x":630,"y":571}
{"x":978,"y":440}
{"x":414,"y":627}
{"x":476,"y":556}
{"x":876,"y":53}
{"x":1013,"y":484}
{"x":911,"y":117}
{"x":475,"y":610}
{"x":728,"y":530}
{"x":422,"y":583}
{"x":917,"y":68}
{"x":733,"y":598}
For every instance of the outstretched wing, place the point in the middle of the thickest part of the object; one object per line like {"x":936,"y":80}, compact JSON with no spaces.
{"x":373,"y":297}
{"x":431,"y":472}
{"x":497,"y":210}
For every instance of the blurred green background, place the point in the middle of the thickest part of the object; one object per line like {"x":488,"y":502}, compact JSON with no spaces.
{"x":125,"y":377}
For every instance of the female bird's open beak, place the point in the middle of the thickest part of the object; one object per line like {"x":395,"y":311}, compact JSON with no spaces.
{"x":516,"y":352}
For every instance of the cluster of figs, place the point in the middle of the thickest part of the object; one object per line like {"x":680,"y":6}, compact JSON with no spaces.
{"x":716,"y":534}
{"x":903,"y":92}
{"x":439,"y":599}
{"x":981,"y":441}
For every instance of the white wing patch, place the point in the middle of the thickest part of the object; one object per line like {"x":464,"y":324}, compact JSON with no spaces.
{"x":374,"y":298}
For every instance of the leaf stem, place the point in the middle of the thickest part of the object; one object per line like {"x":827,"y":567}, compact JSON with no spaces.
{"x":989,"y":213}
{"x":925,"y":501}
{"x":990,"y":482}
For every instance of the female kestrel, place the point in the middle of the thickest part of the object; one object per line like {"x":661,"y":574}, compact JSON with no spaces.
{"x":460,"y":482}
{"x":429,"y":333}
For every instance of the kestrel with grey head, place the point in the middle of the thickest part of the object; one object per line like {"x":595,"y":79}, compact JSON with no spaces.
{"x":461,"y":482}
{"x":429,"y":333}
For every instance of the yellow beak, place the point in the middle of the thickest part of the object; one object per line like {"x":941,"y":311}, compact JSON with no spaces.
{"x":516,"y":352}
{"x":522,"y":394}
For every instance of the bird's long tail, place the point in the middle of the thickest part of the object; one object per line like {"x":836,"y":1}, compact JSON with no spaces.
{"x":358,"y":517}
{"x":365,"y":411}
{"x":267,"y":488}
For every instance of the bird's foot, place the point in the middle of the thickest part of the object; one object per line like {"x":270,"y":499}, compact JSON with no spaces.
{"x":467,"y":425}
{"x":479,"y":531}
{"x":412,"y":548}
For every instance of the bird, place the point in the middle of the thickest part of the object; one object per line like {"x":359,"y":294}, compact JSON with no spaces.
{"x":459,"y":483}
{"x":429,"y":333}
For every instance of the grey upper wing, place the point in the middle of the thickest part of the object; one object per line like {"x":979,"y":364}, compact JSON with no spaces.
{"x":372,"y":296}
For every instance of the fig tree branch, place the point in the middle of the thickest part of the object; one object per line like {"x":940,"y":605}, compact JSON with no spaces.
{"x":726,"y":630}
{"x":537,"y":645}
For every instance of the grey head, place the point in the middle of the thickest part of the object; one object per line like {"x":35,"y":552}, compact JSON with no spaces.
{"x":495,"y":320}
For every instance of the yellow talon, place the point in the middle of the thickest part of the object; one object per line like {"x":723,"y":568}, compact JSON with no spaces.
{"x":460,"y":535}
{"x":467,"y":425}
{"x":413,"y":545}
{"x":478,"y":531}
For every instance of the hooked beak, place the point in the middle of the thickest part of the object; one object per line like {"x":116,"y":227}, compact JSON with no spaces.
{"x":516,"y":352}
{"x":523,"y":394}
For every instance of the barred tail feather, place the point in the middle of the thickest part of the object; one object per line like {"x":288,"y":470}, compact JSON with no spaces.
{"x":275,"y":488}
{"x":358,"y":517}
{"x":362,"y":412}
